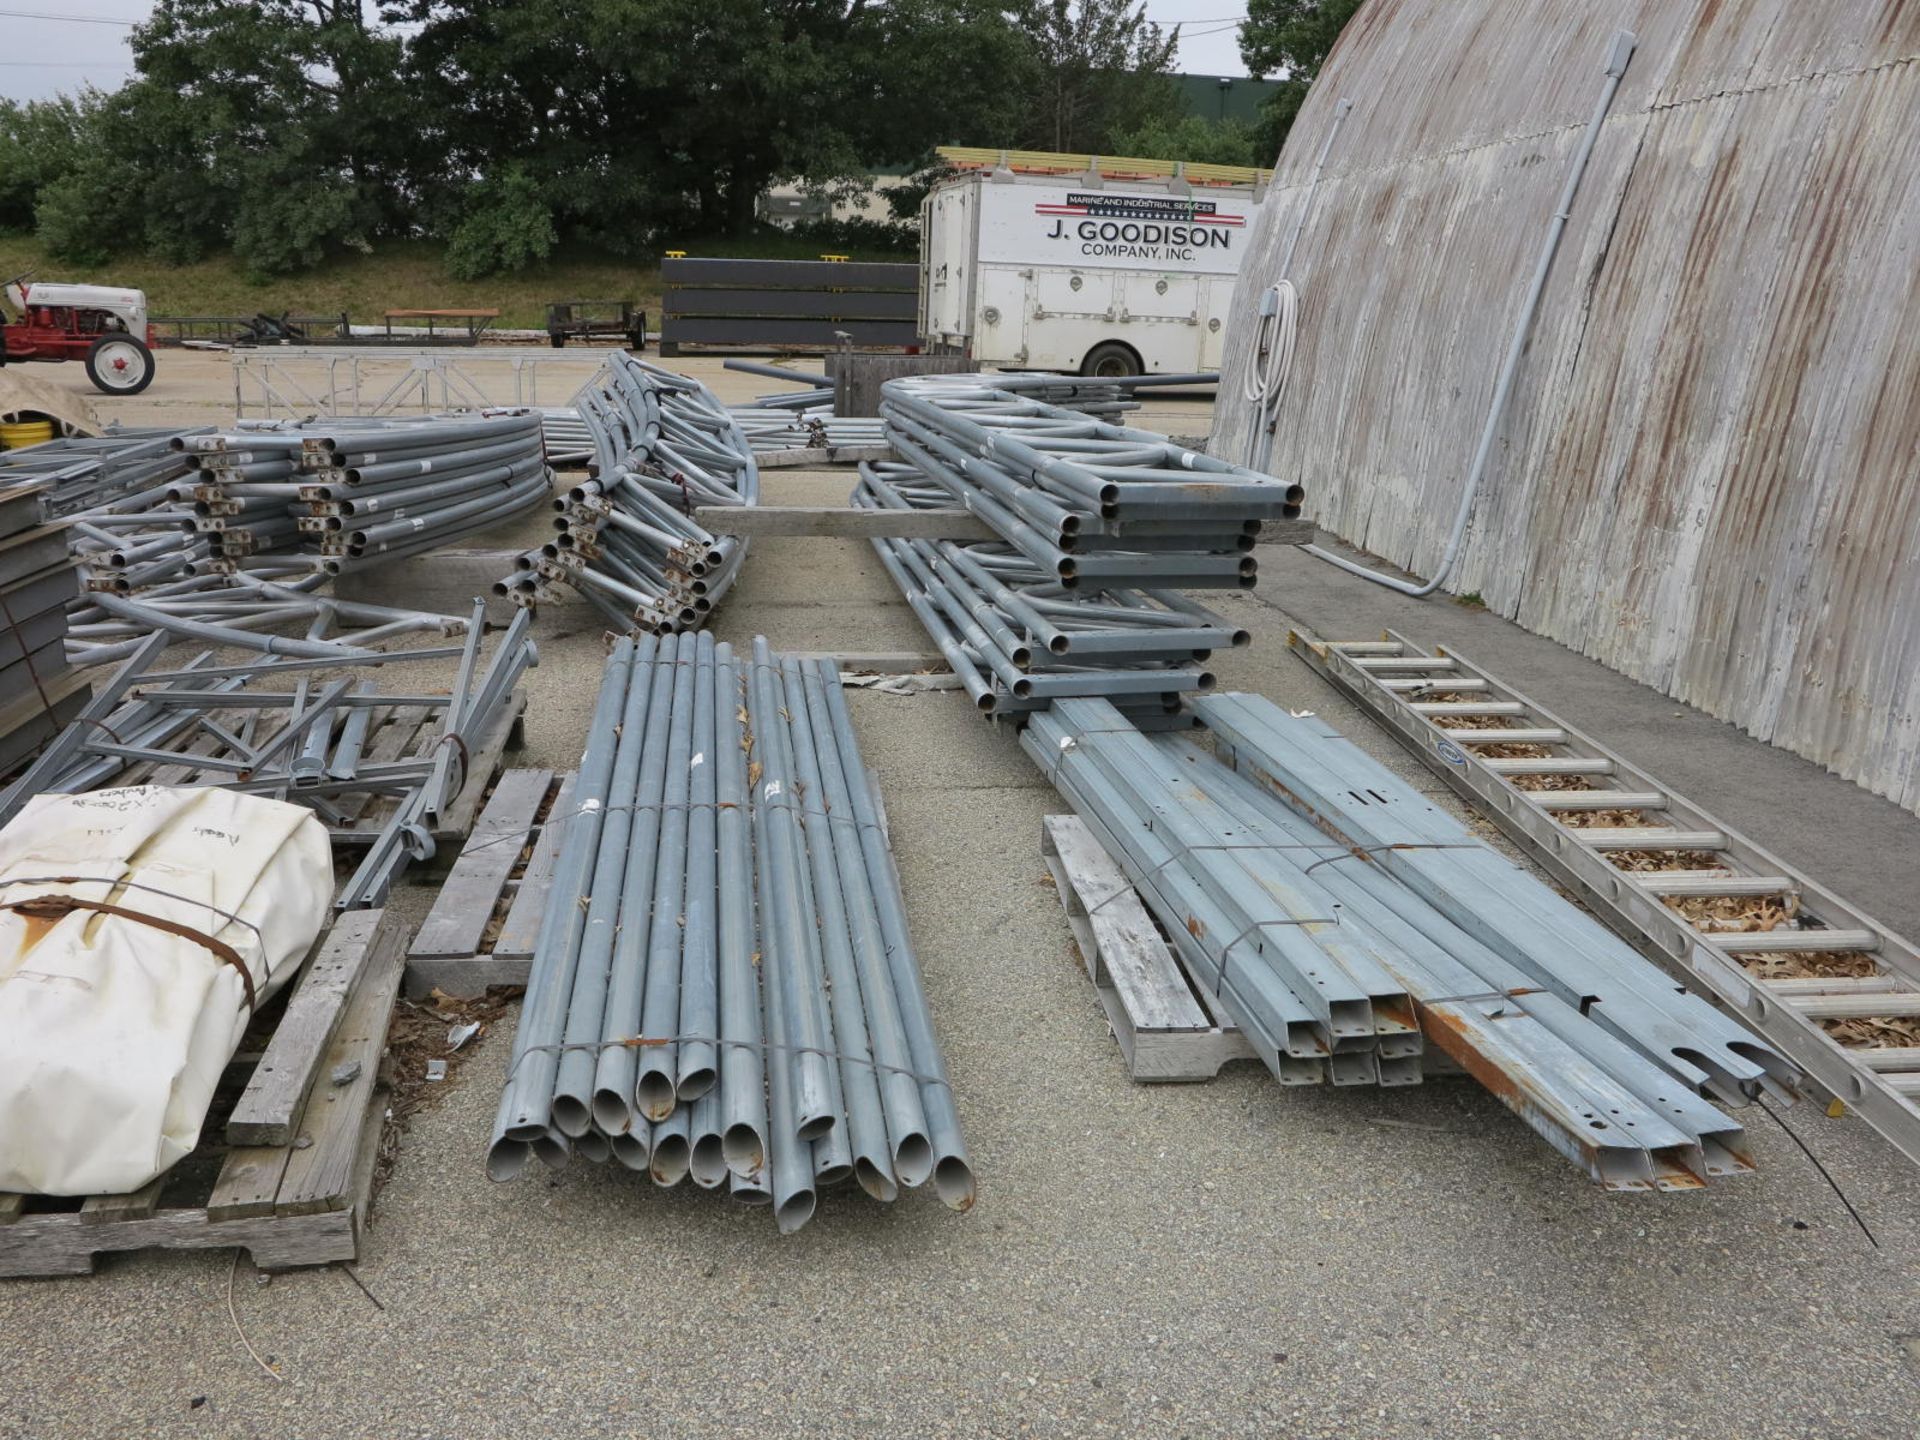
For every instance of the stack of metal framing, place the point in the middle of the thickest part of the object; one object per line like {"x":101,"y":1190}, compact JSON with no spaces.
{"x":1089,"y":502}
{"x":724,"y":987}
{"x":1344,"y":923}
{"x":296,"y":724}
{"x":627,"y":542}
{"x":1019,"y":639}
{"x":209,"y":534}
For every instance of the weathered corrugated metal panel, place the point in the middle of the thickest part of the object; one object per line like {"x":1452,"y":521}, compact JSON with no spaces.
{"x":1709,"y":476}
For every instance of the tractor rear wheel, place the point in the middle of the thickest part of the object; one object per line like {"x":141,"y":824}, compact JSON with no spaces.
{"x":120,"y":365}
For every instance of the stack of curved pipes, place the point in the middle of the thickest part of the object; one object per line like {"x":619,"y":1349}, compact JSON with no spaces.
{"x":1019,"y":639}
{"x":724,"y":988}
{"x":365,"y":491}
{"x":1343,"y":923}
{"x":627,"y":541}
{"x":1091,"y":503}
{"x":228,"y":543}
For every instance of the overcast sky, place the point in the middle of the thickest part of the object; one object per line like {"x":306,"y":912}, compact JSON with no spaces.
{"x":50,"y":46}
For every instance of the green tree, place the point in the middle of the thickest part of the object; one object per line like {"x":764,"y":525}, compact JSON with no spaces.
{"x":279,"y":128}
{"x":1191,"y":137}
{"x":1290,"y":38}
{"x":1103,"y":69}
{"x":40,"y":142}
{"x":644,"y":118}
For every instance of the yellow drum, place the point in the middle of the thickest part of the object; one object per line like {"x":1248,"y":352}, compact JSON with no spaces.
{"x":21,"y":434}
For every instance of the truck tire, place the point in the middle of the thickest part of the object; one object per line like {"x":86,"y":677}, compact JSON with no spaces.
{"x":119,"y":365}
{"x":1112,"y":359}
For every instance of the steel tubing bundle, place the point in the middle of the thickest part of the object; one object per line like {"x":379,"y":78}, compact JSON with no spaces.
{"x":225,"y":533}
{"x":565,"y":435}
{"x":1019,"y":639}
{"x":1559,"y":947}
{"x":627,"y":542}
{"x":723,"y":987}
{"x":1090,"y":502}
{"x":1290,"y":925}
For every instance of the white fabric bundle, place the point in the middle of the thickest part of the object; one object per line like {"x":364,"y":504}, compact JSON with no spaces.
{"x":113,"y":1030}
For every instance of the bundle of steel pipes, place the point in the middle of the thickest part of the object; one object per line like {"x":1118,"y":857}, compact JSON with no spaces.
{"x":724,"y":987}
{"x":1090,"y":502}
{"x":361,"y":491}
{"x":565,"y":435}
{"x":1019,"y":639}
{"x":627,"y":540}
{"x":1344,"y":923}
{"x":308,"y":740}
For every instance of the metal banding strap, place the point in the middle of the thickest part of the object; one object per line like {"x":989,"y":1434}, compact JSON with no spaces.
{"x":56,"y":907}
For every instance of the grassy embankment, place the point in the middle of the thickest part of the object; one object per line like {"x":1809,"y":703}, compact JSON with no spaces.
{"x":406,"y":276}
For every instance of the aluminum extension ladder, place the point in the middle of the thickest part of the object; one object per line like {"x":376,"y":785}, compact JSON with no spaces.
{"x":1391,"y":676}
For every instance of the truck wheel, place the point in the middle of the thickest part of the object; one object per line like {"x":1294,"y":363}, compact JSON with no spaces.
{"x":1111,"y":359}
{"x":119,"y":365}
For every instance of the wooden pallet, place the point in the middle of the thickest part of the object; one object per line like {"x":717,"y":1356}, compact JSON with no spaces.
{"x":486,"y":918}
{"x":401,"y":732}
{"x":1168,"y":1027}
{"x":287,"y":1172}
{"x":1169,"y":1024}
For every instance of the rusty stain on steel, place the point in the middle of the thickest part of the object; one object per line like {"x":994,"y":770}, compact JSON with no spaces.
{"x":1706,"y":476}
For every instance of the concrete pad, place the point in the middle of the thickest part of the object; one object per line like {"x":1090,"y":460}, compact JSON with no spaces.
{"x":1227,"y":1258}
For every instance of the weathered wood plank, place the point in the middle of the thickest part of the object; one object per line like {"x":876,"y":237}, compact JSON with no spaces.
{"x":269,"y":1108}
{"x":844,"y":522}
{"x":1188,"y":1052}
{"x":802,"y":457}
{"x":1133,"y":957}
{"x":248,"y":1182}
{"x":319,"y":1176}
{"x":522,"y":927}
{"x":65,"y":1244}
{"x":102,"y":1209}
{"x":458,"y":921}
{"x":457,"y":819}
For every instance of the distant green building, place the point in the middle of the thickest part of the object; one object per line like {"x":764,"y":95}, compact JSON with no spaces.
{"x":1224,"y":97}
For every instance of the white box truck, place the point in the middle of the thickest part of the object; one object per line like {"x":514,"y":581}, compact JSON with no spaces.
{"x":1100,"y":271}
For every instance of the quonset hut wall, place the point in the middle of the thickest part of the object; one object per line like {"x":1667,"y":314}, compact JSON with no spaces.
{"x":1706,"y":477}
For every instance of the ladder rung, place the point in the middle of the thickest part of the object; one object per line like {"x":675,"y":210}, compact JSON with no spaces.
{"x":1649,"y":837}
{"x":1370,"y":647}
{"x":1549,"y":765}
{"x":1836,"y":985}
{"x":1404,"y":662}
{"x":1402,"y":686}
{"x":1905,"y":1005}
{"x":1514,"y":736}
{"x":1713,"y":882}
{"x":1774,"y":942}
{"x":1887,"y":1057}
{"x":1599,"y":799}
{"x":1467,"y":707}
{"x":1903,"y":1084}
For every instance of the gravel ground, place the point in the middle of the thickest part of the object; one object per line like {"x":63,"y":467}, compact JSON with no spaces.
{"x":1226,"y":1258}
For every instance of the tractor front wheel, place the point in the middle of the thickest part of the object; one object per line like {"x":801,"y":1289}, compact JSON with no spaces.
{"x":119,"y":365}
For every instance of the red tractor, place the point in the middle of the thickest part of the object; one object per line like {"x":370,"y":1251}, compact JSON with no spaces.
{"x":103,"y":328}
